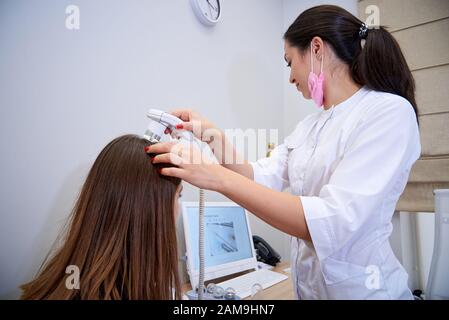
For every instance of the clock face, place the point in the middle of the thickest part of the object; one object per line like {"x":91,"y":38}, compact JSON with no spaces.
{"x":207,"y":11}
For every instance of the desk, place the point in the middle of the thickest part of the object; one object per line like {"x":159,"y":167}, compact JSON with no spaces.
{"x":280,"y":291}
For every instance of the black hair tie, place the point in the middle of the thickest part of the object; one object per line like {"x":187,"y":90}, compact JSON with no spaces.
{"x":363,"y":31}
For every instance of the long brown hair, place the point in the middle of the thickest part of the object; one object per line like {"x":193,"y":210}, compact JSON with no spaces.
{"x":121,"y":234}
{"x":380,"y":64}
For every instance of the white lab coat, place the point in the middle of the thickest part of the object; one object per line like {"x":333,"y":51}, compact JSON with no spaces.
{"x":349,"y":165}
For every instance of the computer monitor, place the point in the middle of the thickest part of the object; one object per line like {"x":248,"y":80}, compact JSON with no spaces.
{"x":228,"y":243}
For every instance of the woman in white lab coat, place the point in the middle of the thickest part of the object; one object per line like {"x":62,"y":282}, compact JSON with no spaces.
{"x":345,"y":166}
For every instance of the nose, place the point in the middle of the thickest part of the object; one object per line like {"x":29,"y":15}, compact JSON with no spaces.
{"x":292,"y":79}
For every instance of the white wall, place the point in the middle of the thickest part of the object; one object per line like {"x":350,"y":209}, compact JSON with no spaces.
{"x":65,"y":94}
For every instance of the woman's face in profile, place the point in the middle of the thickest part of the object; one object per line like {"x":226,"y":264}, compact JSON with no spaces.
{"x":178,"y":195}
{"x":299,"y":68}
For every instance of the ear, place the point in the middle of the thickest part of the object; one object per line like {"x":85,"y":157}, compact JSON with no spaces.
{"x":317,"y":46}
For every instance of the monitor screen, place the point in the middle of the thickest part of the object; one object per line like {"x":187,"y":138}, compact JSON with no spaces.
{"x":226,"y":235}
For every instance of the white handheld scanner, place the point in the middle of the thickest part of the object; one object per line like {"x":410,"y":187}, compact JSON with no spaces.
{"x":160,"y":122}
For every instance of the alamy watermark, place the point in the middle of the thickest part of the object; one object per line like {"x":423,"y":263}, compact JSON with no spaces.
{"x":372,"y":281}
{"x":373,"y":16}
{"x":72,"y":282}
{"x":72,"y":20}
{"x":230,"y":146}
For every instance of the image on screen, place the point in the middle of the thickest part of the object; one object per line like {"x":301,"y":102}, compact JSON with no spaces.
{"x":221,"y":237}
{"x":226,"y":235}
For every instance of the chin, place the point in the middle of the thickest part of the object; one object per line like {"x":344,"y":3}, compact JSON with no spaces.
{"x":306,"y":95}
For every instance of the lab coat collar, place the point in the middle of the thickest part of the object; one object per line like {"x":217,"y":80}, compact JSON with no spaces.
{"x":345,"y":105}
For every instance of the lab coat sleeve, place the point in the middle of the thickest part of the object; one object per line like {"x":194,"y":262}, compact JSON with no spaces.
{"x":379,"y":151}
{"x":272,"y":172}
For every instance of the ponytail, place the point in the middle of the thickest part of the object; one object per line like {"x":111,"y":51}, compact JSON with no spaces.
{"x":379,"y":64}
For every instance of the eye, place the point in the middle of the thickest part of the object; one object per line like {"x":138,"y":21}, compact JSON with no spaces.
{"x":289,"y":64}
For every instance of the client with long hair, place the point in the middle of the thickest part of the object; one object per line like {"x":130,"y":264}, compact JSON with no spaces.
{"x":121,"y":234}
